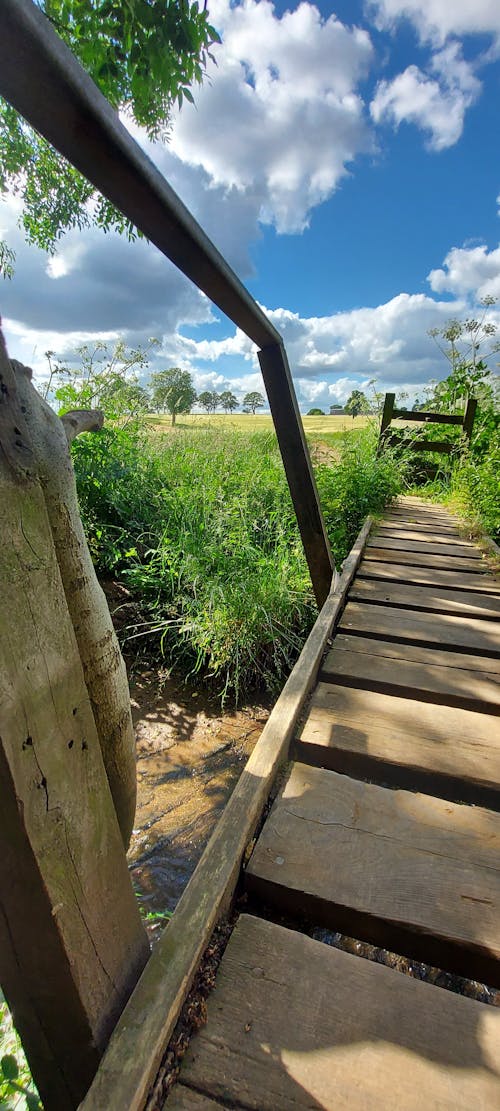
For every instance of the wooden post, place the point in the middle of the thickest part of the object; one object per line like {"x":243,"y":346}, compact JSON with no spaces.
{"x":298,"y":467}
{"x":71,"y":941}
{"x":387,"y":414}
{"x":469,"y":415}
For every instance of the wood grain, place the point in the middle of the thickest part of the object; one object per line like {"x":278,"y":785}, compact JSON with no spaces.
{"x":295,"y":1025}
{"x":140,"y":1037}
{"x":449,"y":631}
{"x":379,"y":540}
{"x":435,"y":599}
{"x":428,"y":576}
{"x":450,"y":686}
{"x":434,"y":536}
{"x":423,"y":559}
{"x":450,"y":752}
{"x":414,"y":874}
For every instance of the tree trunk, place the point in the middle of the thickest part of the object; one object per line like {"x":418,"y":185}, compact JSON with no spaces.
{"x":103,"y":666}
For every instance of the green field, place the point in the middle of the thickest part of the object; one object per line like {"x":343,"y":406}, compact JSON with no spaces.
{"x":315,"y":427}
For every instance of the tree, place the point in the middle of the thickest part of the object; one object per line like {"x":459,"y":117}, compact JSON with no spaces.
{"x":143,"y":55}
{"x":356,"y":404}
{"x":253,"y":401}
{"x":336,"y":408}
{"x":466,"y":344}
{"x":102,"y":379}
{"x":315,"y":413}
{"x":208,"y":400}
{"x":172,"y":390}
{"x":228,"y":401}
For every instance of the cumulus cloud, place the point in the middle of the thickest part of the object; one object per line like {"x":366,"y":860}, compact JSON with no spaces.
{"x":437,"y":19}
{"x":280,"y":116}
{"x":437,"y":104}
{"x":472,"y":272}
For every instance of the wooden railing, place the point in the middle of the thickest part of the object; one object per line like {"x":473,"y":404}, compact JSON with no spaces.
{"x":43,"y":80}
{"x":391,"y":439}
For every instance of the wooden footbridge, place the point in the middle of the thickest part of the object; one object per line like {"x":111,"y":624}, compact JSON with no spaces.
{"x":384,"y":827}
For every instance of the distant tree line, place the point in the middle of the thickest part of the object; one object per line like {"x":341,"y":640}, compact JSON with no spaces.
{"x":110,"y":381}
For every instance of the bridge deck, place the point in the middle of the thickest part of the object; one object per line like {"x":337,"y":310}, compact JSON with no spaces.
{"x":407,"y":701}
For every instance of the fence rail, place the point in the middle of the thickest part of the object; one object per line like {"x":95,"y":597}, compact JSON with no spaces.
{"x":43,"y":80}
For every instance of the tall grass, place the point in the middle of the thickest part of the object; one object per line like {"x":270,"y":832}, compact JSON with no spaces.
{"x":200,"y":526}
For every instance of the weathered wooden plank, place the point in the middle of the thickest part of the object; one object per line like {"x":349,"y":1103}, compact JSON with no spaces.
{"x":409,"y":872}
{"x":427,"y":418}
{"x":129,"y":1064}
{"x":435,"y":599}
{"x":449,"y":537}
{"x":454,"y":753}
{"x":378,"y":540}
{"x":295,"y":1025}
{"x":426,"y":524}
{"x":474,"y":635}
{"x":434,"y":655}
{"x":421,"y":559}
{"x":72,"y":945}
{"x":428,"y":576}
{"x":186,"y":1099}
{"x":451,"y":686}
{"x":426,"y":530}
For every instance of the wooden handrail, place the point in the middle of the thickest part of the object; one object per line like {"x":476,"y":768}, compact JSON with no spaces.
{"x":390,"y":413}
{"x":43,"y":80}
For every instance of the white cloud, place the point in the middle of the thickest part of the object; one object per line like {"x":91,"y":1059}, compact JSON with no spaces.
{"x":437,"y":19}
{"x":280,"y":117}
{"x":468,"y":272}
{"x":435,"y":104}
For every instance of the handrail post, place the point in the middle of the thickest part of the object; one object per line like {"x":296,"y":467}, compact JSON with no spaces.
{"x":298,"y":468}
{"x":469,"y":416}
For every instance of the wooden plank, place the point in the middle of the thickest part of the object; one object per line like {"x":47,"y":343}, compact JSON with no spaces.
{"x":427,"y":680}
{"x":140,"y":1037}
{"x":417,"y":543}
{"x":298,"y":467}
{"x":443,"y":750}
{"x":421,"y":559}
{"x":429,"y":576}
{"x":449,"y":538}
{"x":435,"y":599}
{"x":412,"y":873}
{"x":438,"y":656}
{"x":378,"y":540}
{"x":475,"y":635}
{"x":427,"y":418}
{"x":296,"y":1025}
{"x":412,"y":521}
{"x":72,"y":944}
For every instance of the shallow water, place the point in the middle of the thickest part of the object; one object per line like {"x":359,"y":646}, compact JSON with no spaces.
{"x":190,"y":756}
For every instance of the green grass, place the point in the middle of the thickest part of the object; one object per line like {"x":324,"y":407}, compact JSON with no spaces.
{"x":199,"y":525}
{"x":17,"y":1091}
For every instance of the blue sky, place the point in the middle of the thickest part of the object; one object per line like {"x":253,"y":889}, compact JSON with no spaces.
{"x":345,"y":158}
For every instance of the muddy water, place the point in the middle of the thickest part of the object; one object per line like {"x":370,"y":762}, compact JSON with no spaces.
{"x":190,"y":756}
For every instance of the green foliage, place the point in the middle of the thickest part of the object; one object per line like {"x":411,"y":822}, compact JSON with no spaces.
{"x":315,"y":413}
{"x":7,"y":259}
{"x":144,"y":55}
{"x":102,"y":379}
{"x":208,"y":400}
{"x":172,"y":390}
{"x":16,"y":1085}
{"x":253,"y":401}
{"x":228,"y":401}
{"x":357,"y":403}
{"x":201,"y":528}
{"x":469,"y":478}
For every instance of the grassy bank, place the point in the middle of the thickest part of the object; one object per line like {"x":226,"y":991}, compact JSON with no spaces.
{"x":199,"y":525}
